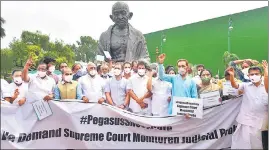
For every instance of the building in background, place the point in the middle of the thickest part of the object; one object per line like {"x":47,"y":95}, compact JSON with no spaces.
{"x":206,"y":41}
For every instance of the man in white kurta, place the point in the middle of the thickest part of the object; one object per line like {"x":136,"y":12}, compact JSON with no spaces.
{"x":4,"y":91}
{"x":18,"y":86}
{"x":254,"y":109}
{"x":140,"y":101}
{"x":161,"y":93}
{"x":93,"y":86}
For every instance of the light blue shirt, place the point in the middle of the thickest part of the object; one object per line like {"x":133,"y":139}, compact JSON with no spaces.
{"x":180,"y":87}
{"x":57,"y":94}
{"x":117,"y":89}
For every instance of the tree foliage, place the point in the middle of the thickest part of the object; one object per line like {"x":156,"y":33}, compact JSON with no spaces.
{"x":87,"y":49}
{"x":38,"y":45}
{"x":228,"y":57}
{"x":3,"y":33}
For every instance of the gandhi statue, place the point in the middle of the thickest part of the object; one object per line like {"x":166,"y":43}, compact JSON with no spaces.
{"x":121,"y":40}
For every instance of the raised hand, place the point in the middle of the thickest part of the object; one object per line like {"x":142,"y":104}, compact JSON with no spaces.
{"x":29,"y":62}
{"x":230,"y":70}
{"x":161,"y":58}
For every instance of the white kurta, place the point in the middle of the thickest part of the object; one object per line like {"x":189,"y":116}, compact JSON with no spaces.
{"x":4,"y":89}
{"x":39,"y":88}
{"x":161,"y":90}
{"x":139,"y":86}
{"x":92,"y":88}
{"x":251,"y":117}
{"x":23,"y":89}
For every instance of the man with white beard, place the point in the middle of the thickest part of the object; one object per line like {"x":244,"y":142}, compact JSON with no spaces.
{"x":92,"y":85}
{"x":161,"y":92}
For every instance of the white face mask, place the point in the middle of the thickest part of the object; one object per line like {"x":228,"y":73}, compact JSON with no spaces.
{"x":127,"y":70}
{"x":199,"y":72}
{"x":181,"y":71}
{"x":52,"y":69}
{"x":141,"y":72}
{"x":41,"y":74}
{"x":92,"y":72}
{"x":255,"y":78}
{"x":17,"y":80}
{"x":117,"y":72}
{"x":68,"y":78}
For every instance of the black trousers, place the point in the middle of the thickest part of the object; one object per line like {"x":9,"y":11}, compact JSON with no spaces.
{"x":265,"y":140}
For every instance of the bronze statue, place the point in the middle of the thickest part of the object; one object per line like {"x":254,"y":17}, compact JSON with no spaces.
{"x":121,"y":40}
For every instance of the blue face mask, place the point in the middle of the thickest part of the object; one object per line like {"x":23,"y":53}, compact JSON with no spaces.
{"x":79,"y":74}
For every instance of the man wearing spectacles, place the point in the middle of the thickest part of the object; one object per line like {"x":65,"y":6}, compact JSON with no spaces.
{"x":68,"y":88}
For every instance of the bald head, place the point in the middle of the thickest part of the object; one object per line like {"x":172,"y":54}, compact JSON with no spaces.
{"x":121,"y":14}
{"x":120,"y":6}
{"x":66,"y":70}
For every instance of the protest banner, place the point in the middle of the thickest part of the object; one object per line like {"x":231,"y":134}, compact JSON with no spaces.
{"x":76,"y":125}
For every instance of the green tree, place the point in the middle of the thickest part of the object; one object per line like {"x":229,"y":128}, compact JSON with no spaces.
{"x":36,"y":38}
{"x":7,"y":63}
{"x":228,"y":57}
{"x":3,"y":34}
{"x":87,"y":49}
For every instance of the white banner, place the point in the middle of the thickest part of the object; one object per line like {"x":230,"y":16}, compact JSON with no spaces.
{"x":75,"y":125}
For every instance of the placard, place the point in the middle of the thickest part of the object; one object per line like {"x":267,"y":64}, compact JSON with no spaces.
{"x":42,"y":109}
{"x":107,"y":54}
{"x":191,"y":106}
{"x":100,"y":58}
{"x":228,"y":89}
{"x":211,"y":98}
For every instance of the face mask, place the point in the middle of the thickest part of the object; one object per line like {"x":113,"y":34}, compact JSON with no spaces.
{"x":68,"y":78}
{"x":206,"y":80}
{"x":127,"y":70}
{"x":117,"y":72}
{"x":181,"y":71}
{"x":255,"y":78}
{"x":52,"y":69}
{"x":141,"y":72}
{"x":18,"y":80}
{"x":92,"y":72}
{"x":41,"y":74}
{"x":199,"y":72}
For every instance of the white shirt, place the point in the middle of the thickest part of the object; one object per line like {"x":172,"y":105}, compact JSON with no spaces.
{"x":4,"y":89}
{"x":254,"y":105}
{"x":161,"y":90}
{"x":92,"y":88}
{"x":39,"y":88}
{"x":139,"y":86}
{"x":23,"y":89}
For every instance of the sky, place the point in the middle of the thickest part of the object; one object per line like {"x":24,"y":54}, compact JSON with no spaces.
{"x":68,"y":20}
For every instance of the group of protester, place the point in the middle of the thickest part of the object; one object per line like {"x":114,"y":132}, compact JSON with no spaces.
{"x":146,"y":89}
